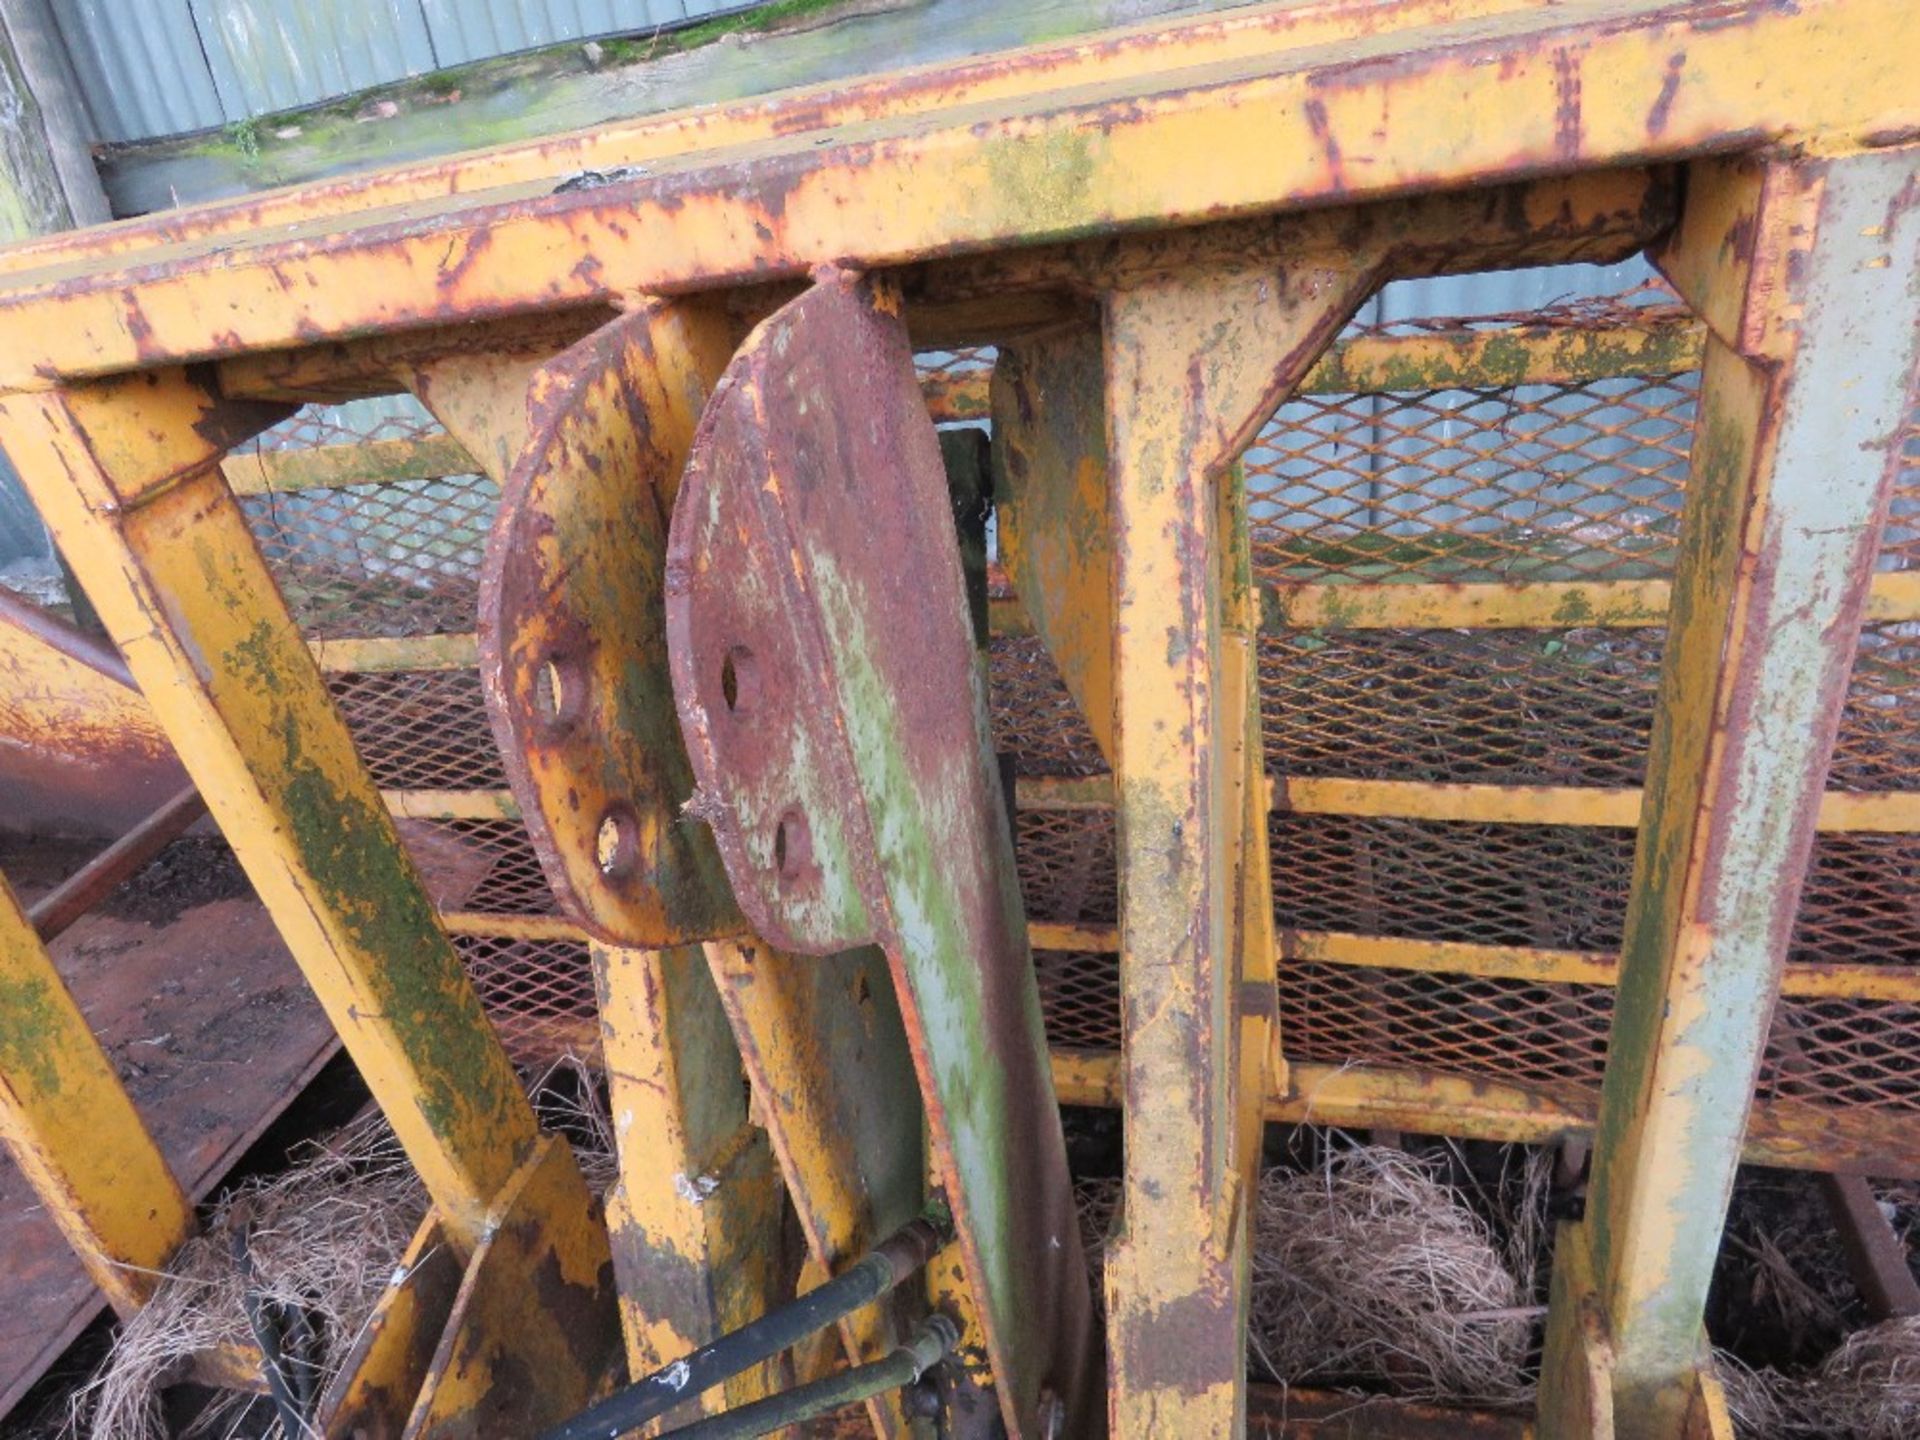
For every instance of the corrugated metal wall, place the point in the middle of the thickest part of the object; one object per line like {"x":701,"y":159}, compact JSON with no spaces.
{"x":164,"y":67}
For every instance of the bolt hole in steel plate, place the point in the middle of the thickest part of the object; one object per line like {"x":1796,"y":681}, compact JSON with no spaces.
{"x":572,"y":630}
{"x":825,"y":669}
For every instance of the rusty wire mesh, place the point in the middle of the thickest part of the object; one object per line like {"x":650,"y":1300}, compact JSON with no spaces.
{"x":1507,"y":707}
{"x":1535,"y":483}
{"x":1551,"y":482}
{"x":379,"y":560}
{"x":421,"y":729}
{"x":1578,"y":482}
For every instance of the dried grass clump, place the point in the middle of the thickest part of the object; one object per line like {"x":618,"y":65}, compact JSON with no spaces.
{"x":1371,"y":1271}
{"x":325,"y":1236}
{"x":1866,"y":1389}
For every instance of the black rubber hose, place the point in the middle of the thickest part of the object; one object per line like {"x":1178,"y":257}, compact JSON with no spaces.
{"x":265,"y":1335}
{"x":890,"y":1262}
{"x":930,"y":1344}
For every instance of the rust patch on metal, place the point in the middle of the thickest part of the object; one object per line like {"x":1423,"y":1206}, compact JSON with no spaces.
{"x":825,"y":671}
{"x":572,"y":629}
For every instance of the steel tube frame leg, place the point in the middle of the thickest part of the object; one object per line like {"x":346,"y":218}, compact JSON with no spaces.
{"x":73,"y":1130}
{"x":695,"y":1218}
{"x":126,"y":473}
{"x":1196,"y":362}
{"x":1807,"y":273}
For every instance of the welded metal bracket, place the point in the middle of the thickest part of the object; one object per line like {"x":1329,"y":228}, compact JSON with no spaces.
{"x":823,"y":663}
{"x":572,"y":634}
{"x":574,"y":661}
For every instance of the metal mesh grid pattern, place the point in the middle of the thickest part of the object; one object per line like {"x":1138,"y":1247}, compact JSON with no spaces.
{"x":1844,"y":1052}
{"x":1514,"y":707}
{"x":1878,"y":747}
{"x":1035,"y":718}
{"x":421,"y":729}
{"x":1542,"y":483}
{"x":1068,"y":866}
{"x":1519,"y":1031}
{"x":1861,"y":903}
{"x":1461,"y":485}
{"x":486,"y":867}
{"x":1079,"y":998}
{"x":378,"y":560}
{"x":1557,"y":887}
{"x":539,"y":994}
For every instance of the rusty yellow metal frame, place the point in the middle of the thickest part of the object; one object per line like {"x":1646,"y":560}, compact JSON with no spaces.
{"x":127,"y":475}
{"x":1283,"y":108}
{"x":1799,"y":269}
{"x":73,"y":1130}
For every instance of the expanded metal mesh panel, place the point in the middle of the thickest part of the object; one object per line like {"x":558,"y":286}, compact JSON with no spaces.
{"x":1068,"y":869}
{"x":1035,"y":718}
{"x":421,"y":729}
{"x":1879,"y":743}
{"x":1861,"y":904}
{"x":484,"y":866}
{"x":538,"y":992}
{"x":1080,"y":998}
{"x":1558,"y":887}
{"x":1542,"y":483}
{"x":1512,"y":707}
{"x":1504,"y":1029}
{"x":378,"y":560}
{"x":1844,"y":1053}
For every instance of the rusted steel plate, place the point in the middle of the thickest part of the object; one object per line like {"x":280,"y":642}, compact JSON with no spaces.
{"x":573,"y":647}
{"x":824,"y":667}
{"x":80,"y":753}
{"x":371,"y":1396}
{"x":533,"y":1335}
{"x":213,"y":1033}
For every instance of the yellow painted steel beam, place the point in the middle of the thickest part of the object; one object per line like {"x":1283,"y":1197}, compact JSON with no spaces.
{"x":1887,"y":812}
{"x":1788,"y":1134}
{"x":1050,"y":456}
{"x":695,"y":1215}
{"x":1893,"y":598}
{"x":73,"y":1131}
{"x":1544,"y":604}
{"x":1893,"y":983}
{"x":1840,"y":811}
{"x":376,"y":655}
{"x":1806,"y":272}
{"x":516,"y":927}
{"x":452,"y":804}
{"x":1174,"y":428}
{"x":1660,"y":342}
{"x":1235,"y":138}
{"x":1111,"y":56}
{"x":828,"y":1080}
{"x":330,"y":467}
{"x":127,"y":475}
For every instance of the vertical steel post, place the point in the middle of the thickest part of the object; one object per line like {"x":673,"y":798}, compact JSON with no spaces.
{"x":1807,"y":273}
{"x":1196,"y":359}
{"x":73,"y":1130}
{"x":127,"y":474}
{"x":695,"y":1217}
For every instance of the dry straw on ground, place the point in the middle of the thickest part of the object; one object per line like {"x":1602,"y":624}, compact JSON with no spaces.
{"x":1371,"y":1270}
{"x":325,"y":1237}
{"x":1867,"y":1389}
